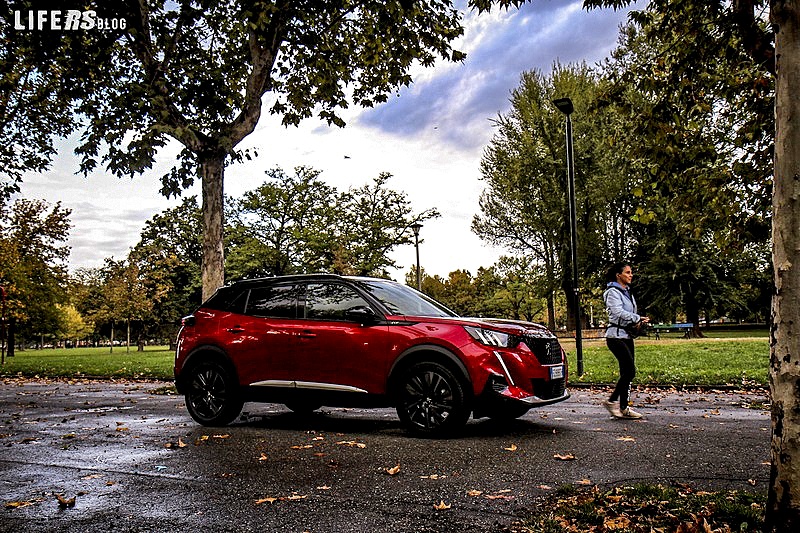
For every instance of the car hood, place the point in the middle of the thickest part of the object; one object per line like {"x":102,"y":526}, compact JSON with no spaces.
{"x":512,"y":327}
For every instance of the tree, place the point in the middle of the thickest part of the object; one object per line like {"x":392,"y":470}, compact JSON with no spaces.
{"x":694,"y":166}
{"x":283,"y":226}
{"x":33,"y":264}
{"x":125,"y":296}
{"x":168,"y":256}
{"x":524,"y":207}
{"x":43,"y":72}
{"x":774,"y":48}
{"x":200,"y":72}
{"x":375,"y":220}
{"x":298,"y":223}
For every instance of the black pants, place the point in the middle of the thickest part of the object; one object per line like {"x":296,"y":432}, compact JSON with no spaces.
{"x":623,"y":351}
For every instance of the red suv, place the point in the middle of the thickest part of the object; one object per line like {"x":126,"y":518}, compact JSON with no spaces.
{"x":313,"y":340}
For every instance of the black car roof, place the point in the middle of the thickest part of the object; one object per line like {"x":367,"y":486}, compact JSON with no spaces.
{"x":298,"y":277}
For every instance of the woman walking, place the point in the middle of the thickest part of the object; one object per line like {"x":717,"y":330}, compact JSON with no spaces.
{"x":622,"y":314}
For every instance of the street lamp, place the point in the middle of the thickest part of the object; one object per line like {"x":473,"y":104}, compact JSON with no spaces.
{"x":565,"y":106}
{"x":416,"y":227}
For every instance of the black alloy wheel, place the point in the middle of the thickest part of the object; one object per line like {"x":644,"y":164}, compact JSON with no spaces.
{"x":431,"y":400}
{"x":212,"y":395}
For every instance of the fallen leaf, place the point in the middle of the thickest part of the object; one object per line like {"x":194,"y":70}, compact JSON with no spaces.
{"x":266,"y":500}
{"x":65,"y":502}
{"x":181,"y":444}
{"x":324,"y":487}
{"x":626,"y":439}
{"x":619,"y":522}
{"x":474,"y":493}
{"x":583,"y":482}
{"x":392,"y":471}
{"x":564,"y":457}
{"x":441,"y":506}
{"x":545,"y":487}
{"x":17,"y":505}
{"x":92,"y":476}
{"x":752,"y":482}
{"x":222,"y":436}
{"x":302,"y":447}
{"x":351,"y":443}
{"x":511,"y":448}
{"x":294,"y":497}
{"x":263,"y":457}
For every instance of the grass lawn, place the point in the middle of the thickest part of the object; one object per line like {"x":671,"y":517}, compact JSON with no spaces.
{"x":678,"y":362}
{"x":154,"y":362}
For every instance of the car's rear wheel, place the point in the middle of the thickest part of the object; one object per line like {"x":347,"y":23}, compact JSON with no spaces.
{"x":212,"y":394}
{"x":431,"y":400}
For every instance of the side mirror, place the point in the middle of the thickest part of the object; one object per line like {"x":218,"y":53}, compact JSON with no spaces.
{"x":362,"y":314}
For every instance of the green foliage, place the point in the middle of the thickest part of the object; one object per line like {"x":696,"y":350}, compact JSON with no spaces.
{"x":700,"y":112}
{"x":298,"y":223}
{"x":646,"y":507}
{"x":524,"y":206}
{"x":33,"y":263}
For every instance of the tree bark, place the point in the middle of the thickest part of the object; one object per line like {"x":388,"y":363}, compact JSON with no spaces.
{"x":213,"y":268}
{"x":783,"y":504}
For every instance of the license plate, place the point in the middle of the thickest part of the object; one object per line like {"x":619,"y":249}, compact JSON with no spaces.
{"x":557,"y":372}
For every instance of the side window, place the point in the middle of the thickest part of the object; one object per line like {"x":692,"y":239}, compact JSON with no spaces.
{"x":330,"y":301}
{"x":273,"y":301}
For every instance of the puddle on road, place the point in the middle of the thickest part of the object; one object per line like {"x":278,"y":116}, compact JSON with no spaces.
{"x":103,"y":409}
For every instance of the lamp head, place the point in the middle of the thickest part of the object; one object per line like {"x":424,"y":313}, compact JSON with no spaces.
{"x":564,"y":105}
{"x":416,"y":227}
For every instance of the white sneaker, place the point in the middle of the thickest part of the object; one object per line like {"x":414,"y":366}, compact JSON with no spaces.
{"x":630,"y":413}
{"x":613,"y":408}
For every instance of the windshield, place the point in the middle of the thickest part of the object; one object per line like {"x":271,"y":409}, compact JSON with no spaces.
{"x":402,"y":300}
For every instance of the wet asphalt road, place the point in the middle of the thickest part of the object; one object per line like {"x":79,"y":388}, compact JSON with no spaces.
{"x":133,"y":460}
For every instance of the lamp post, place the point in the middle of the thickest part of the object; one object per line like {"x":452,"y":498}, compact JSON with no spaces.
{"x":416,"y":227}
{"x":565,"y":106}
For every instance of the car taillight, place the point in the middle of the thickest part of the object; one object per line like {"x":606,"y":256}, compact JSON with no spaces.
{"x":188,"y":321}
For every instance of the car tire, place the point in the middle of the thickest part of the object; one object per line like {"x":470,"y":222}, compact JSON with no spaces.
{"x":212,"y":394}
{"x":431,"y":400}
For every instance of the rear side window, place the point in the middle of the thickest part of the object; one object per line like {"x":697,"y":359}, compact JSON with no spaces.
{"x":273,"y":301}
{"x":228,"y":299}
{"x":330,"y":301}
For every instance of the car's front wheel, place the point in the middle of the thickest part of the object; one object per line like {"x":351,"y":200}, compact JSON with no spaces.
{"x":212,"y":394}
{"x":431,"y":400}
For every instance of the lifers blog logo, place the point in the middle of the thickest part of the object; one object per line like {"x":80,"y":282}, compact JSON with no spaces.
{"x":70,"y":20}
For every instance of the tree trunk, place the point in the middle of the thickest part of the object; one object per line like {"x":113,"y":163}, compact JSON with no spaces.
{"x":783,"y":504}
{"x":551,"y":311}
{"x":111,"y":350}
{"x":128,"y":337}
{"x":213,"y":270}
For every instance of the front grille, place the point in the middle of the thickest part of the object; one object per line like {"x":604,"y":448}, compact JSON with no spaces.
{"x":549,"y":389}
{"x":546,"y":350}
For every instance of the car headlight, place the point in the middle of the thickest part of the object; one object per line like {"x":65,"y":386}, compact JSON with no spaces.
{"x":490,"y":337}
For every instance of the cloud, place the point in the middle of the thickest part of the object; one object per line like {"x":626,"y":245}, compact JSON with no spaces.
{"x":459,"y":100}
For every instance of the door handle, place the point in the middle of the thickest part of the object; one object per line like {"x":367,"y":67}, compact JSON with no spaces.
{"x":235,"y":329}
{"x":307,"y":334}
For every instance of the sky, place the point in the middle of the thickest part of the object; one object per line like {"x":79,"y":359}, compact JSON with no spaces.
{"x":429,"y":136}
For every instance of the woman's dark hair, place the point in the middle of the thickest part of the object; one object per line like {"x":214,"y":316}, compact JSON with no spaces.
{"x":615,"y":269}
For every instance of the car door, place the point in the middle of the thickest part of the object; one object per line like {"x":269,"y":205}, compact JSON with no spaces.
{"x":261,"y":341}
{"x":337,"y":353}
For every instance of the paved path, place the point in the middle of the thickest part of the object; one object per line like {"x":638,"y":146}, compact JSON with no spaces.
{"x":134,"y":461}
